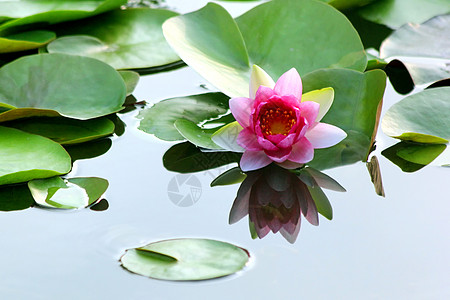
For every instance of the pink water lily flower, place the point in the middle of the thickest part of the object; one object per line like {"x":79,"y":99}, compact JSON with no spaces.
{"x":277,"y":123}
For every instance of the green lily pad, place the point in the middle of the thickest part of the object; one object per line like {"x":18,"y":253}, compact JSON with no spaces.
{"x":125,"y":39}
{"x":355,"y":109}
{"x":25,"y":40}
{"x":131,"y":80}
{"x":160,"y":118}
{"x":23,"y":12}
{"x":347,"y":4}
{"x":71,"y":193}
{"x":25,"y":156}
{"x":421,"y":117}
{"x":187,"y":158}
{"x":15,"y":197}
{"x":429,"y":39}
{"x":185,"y":259}
{"x":231,"y":176}
{"x":64,"y":130}
{"x":195,"y":134}
{"x":411,"y":157}
{"x":72,"y":86}
{"x":395,"y":13}
{"x":210,"y":41}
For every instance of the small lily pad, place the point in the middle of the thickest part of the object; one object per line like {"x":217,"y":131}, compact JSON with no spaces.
{"x":125,"y":39}
{"x":160,"y":118}
{"x":25,"y":156}
{"x":411,"y":157}
{"x":72,"y":86}
{"x":185,"y":259}
{"x":71,"y":193}
{"x":421,"y":117}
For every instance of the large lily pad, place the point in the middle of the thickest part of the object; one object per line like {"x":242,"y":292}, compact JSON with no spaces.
{"x":430,"y":39}
{"x":72,"y":86}
{"x":23,"y":12}
{"x":395,"y":13}
{"x":355,"y":109}
{"x":64,"y":130}
{"x":25,"y":41}
{"x":25,"y":156}
{"x":210,"y":41}
{"x":71,"y":193}
{"x":160,"y":118}
{"x":185,"y":259}
{"x":422,"y":117}
{"x":125,"y":39}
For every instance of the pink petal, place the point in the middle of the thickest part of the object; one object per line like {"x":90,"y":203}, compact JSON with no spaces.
{"x":262,"y":95}
{"x":323,"y":135}
{"x":241,"y":109}
{"x":279,"y":155}
{"x":253,"y":160}
{"x":302,"y":152}
{"x":247,"y":139}
{"x":289,"y":84}
{"x":309,"y":110}
{"x":266,"y":144}
{"x":287,"y":141}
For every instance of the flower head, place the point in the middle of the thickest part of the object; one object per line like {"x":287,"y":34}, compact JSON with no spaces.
{"x":279,"y":124}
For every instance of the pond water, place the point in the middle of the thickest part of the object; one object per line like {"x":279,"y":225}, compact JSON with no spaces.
{"x":396,"y":247}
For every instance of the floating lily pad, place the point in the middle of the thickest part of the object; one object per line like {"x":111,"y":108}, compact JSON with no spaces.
{"x":347,"y":4}
{"x":160,"y":118}
{"x":125,"y":39}
{"x":25,"y":156}
{"x":411,"y":157}
{"x":131,"y":80}
{"x":430,"y":39}
{"x":25,"y":41}
{"x":187,"y":158}
{"x":67,"y":194}
{"x":195,"y":134}
{"x":15,"y":197}
{"x":23,"y":12}
{"x":395,"y":13}
{"x":210,"y":41}
{"x":422,"y":117}
{"x":64,"y":130}
{"x":185,"y":259}
{"x":72,"y":86}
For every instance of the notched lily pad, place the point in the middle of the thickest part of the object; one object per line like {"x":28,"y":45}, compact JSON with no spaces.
{"x":185,"y":259}
{"x":72,"y":193}
{"x":421,"y":117}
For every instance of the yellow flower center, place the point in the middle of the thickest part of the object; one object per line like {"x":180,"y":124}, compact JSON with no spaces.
{"x":276,"y":120}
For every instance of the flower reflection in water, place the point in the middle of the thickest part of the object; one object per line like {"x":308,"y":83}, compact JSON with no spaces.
{"x":275,"y":198}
